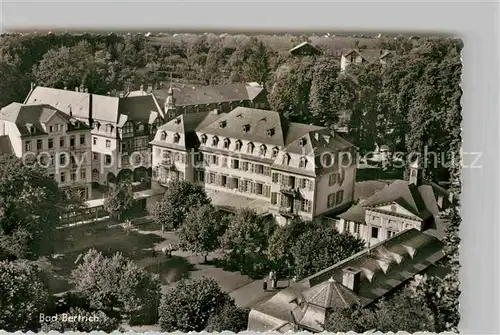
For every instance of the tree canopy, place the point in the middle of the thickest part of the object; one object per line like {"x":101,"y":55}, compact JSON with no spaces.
{"x":179,"y":197}
{"x":117,"y":282}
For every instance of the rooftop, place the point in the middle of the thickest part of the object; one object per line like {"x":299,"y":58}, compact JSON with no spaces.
{"x":383,"y":268}
{"x":186,"y":95}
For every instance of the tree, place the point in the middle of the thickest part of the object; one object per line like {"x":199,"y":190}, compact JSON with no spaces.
{"x":282,"y":240}
{"x":320,"y":248}
{"x":30,"y":208}
{"x":247,"y":235}
{"x":290,"y":92}
{"x":83,"y":321}
{"x":119,"y":199}
{"x":178,"y":199}
{"x":397,"y":313}
{"x":22,"y":296}
{"x":14,"y":85}
{"x":322,"y":98}
{"x":189,"y":304}
{"x":256,"y":66}
{"x":201,"y":230}
{"x":228,"y":318}
{"x":116,"y":282}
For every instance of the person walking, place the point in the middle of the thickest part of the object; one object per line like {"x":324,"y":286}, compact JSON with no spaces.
{"x":272,"y":278}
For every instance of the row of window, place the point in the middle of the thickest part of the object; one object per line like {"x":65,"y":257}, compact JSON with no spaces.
{"x":72,"y":176}
{"x":240,"y":184}
{"x":376,"y":232}
{"x":50,"y":143}
{"x":166,"y":175}
{"x":335,"y":199}
{"x":305,"y":205}
{"x":137,"y":143}
{"x":292,"y":182}
{"x":335,"y":178}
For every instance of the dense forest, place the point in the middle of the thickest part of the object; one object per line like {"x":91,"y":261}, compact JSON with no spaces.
{"x":409,"y":104}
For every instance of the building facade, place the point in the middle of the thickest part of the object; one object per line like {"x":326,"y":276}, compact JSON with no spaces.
{"x":255,"y":158}
{"x":121,"y":129}
{"x":400,"y":206}
{"x":41,"y":134}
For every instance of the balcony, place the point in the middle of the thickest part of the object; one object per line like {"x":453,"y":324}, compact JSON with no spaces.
{"x":290,"y":191}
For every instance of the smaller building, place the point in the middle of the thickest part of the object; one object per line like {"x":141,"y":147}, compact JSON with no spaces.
{"x":42,"y":134}
{"x":399,"y":206}
{"x":305,"y":49}
{"x":357,"y":56}
{"x":361,"y":279}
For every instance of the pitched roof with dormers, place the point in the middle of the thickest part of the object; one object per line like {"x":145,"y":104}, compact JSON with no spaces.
{"x":382,"y":268}
{"x":188,"y":95}
{"x":27,"y":116}
{"x":369,"y":55}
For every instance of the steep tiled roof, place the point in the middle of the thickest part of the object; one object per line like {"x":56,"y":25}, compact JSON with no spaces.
{"x":139,"y":108}
{"x":5,"y":145}
{"x":383,"y":268}
{"x":200,"y":95}
{"x":25,"y":116}
{"x":259,"y":122}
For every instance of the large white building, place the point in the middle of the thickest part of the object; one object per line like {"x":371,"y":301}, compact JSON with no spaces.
{"x":45,"y":135}
{"x":255,"y":158}
{"x":120,"y":126}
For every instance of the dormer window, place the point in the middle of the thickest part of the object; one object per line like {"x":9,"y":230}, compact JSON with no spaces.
{"x":222,"y":124}
{"x":263,"y":150}
{"x":215,"y":141}
{"x":227,"y":142}
{"x":97,"y":125}
{"x":275,"y":152}
{"x":250,"y":147}
{"x":176,"y":138}
{"x":303,"y":162}
{"x":129,"y":128}
{"x":238,"y":145}
{"x":109,"y":128}
{"x":32,"y":130}
{"x":286,"y":159}
{"x":245,"y":128}
{"x":203,"y":139}
{"x":163,"y":136}
{"x":302,"y":142}
{"x":270,"y":132}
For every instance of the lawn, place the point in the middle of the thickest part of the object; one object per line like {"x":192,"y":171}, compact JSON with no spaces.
{"x":137,"y":244}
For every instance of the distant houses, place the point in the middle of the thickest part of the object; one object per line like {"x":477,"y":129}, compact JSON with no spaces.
{"x":305,"y":49}
{"x":357,"y":56}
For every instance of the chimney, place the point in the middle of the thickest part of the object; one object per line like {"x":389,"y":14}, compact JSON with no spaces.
{"x":316,"y":136}
{"x":76,"y":89}
{"x":150,"y":89}
{"x":70,"y":112}
{"x":351,"y":279}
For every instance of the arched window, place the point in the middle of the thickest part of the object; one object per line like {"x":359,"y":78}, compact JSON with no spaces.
{"x":250,"y":147}
{"x":163,"y":136}
{"x":286,"y":159}
{"x":203,"y":139}
{"x":238,"y":145}
{"x":303,"y":162}
{"x":227,"y":142}
{"x":176,"y":138}
{"x":215,"y":141}
{"x":263,"y":150}
{"x":275,"y":152}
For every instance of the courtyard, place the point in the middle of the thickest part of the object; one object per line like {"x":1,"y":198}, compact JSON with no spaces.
{"x":138,"y":243}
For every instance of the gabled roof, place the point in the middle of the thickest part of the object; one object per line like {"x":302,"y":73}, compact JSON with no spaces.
{"x":191,"y":122}
{"x":305,"y":48}
{"x":330,"y":294}
{"x":369,"y":55}
{"x":139,"y":108}
{"x":199,"y":95}
{"x":26,"y":116}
